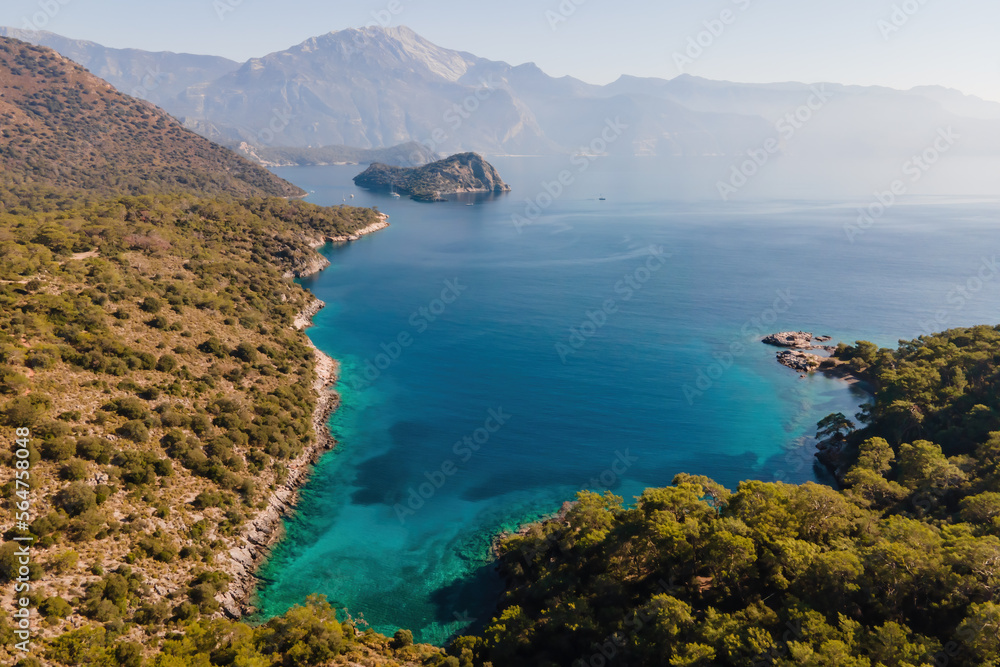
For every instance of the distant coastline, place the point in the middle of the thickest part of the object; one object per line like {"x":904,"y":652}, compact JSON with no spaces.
{"x":411,"y":154}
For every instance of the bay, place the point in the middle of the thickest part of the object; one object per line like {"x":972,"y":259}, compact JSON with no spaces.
{"x":499,"y":354}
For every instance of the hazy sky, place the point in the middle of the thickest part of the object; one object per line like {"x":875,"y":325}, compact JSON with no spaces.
{"x":955,"y":43}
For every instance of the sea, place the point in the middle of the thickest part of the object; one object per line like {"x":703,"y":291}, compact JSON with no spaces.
{"x":597,"y":328}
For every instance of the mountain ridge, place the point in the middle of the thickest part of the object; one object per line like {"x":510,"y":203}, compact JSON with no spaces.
{"x":65,"y":127}
{"x":156,"y":77}
{"x":378,"y":87}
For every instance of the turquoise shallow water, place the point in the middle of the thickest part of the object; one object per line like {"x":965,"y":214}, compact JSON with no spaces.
{"x":488,"y":373}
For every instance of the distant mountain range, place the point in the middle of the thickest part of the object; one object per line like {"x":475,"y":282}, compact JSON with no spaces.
{"x":64,"y":127}
{"x":379,"y":87}
{"x":156,"y":77}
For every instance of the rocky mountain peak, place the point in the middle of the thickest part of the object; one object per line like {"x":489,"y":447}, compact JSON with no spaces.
{"x":393,"y":48}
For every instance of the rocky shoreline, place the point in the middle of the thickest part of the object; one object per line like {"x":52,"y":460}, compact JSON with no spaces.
{"x":523,"y":529}
{"x":798,"y":355}
{"x":254,"y":543}
{"x":370,"y":229}
{"x":835,"y":455}
{"x":318,"y":263}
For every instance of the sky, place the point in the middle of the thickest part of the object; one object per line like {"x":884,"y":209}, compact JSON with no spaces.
{"x":897,"y":43}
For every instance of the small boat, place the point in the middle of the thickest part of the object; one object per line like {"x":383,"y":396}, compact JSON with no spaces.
{"x":395,"y":195}
{"x":602,"y":199}
{"x":352,"y":196}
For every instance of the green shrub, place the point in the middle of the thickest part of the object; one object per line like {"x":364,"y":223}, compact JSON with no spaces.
{"x":134,"y":430}
{"x":199,"y":529}
{"x":94,"y":449}
{"x":51,"y":522}
{"x":52,"y":429}
{"x":12,"y":382}
{"x":65,"y":562}
{"x":103,"y":492}
{"x":87,"y":525}
{"x":246,"y":352}
{"x":75,"y":470}
{"x":151,"y":304}
{"x":10,"y":564}
{"x":306,"y":635}
{"x":166,"y":364}
{"x":158,"y":547}
{"x":186,"y":611}
{"x":207,"y":499}
{"x":55,"y":607}
{"x":42,"y":358}
{"x":152,"y":614}
{"x":137,"y":468}
{"x":201,"y":424}
{"x":203,"y":595}
{"x":59,"y":449}
{"x":76,"y":498}
{"x":85,"y":646}
{"x":130,"y":408}
{"x":214,"y":347}
{"x":25,"y":410}
{"x":172,"y":419}
{"x":129,"y":654}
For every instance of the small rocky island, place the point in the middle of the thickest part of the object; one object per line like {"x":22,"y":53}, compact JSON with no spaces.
{"x":795,"y":357}
{"x":465,"y":172}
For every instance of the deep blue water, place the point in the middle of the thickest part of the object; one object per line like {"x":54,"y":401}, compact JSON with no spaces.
{"x":396,"y":524}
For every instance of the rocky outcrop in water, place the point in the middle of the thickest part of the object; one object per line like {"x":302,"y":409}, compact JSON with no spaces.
{"x":465,"y":172}
{"x":801,"y":361}
{"x":794,"y":357}
{"x":799,"y":340}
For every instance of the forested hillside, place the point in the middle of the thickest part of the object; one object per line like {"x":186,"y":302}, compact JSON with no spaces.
{"x":901,"y":568}
{"x":148,"y":345}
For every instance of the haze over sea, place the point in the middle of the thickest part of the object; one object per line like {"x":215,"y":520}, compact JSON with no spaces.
{"x":654,"y":391}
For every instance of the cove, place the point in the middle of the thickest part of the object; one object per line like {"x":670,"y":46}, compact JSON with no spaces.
{"x":395,"y":524}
